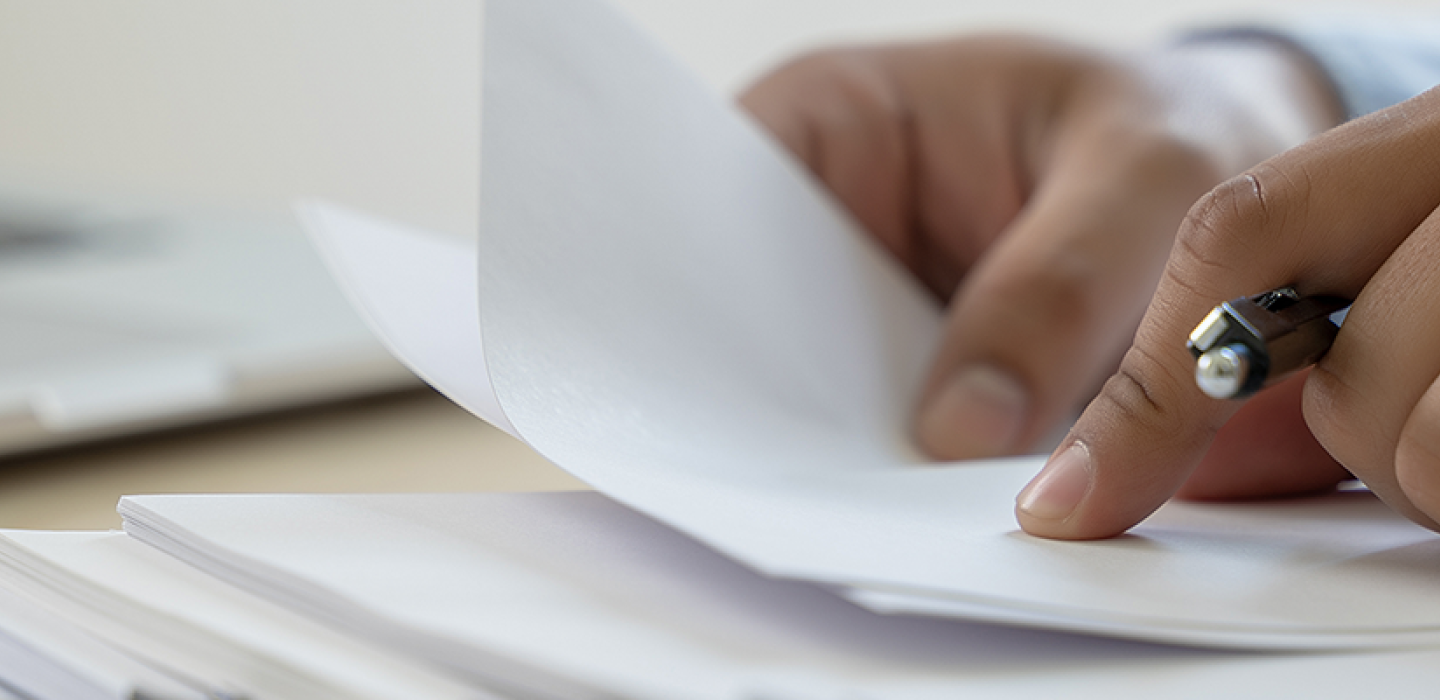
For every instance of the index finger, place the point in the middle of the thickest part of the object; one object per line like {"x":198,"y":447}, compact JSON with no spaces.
{"x":1321,"y":218}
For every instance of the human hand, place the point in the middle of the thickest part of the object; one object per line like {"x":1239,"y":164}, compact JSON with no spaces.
{"x":1353,"y":213}
{"x":1037,"y":187}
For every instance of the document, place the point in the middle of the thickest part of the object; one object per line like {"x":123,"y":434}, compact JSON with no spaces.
{"x":46,"y":656}
{"x":623,"y":606}
{"x":675,"y":312}
{"x":129,"y":621}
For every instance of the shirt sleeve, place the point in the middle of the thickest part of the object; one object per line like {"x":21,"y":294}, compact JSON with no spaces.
{"x":1372,"y":63}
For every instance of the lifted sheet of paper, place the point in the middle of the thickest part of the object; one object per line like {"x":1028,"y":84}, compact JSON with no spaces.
{"x":673,"y":311}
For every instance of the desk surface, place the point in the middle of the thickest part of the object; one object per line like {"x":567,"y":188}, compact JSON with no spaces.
{"x":415,"y":441}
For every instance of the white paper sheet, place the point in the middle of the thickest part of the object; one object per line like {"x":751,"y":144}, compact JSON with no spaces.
{"x":574,"y":581}
{"x":45,"y":656}
{"x":400,"y":280}
{"x":387,"y":605}
{"x":675,"y":313}
{"x":153,"y":608}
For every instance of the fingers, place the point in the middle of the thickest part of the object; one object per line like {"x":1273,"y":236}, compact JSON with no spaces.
{"x":1043,"y":317}
{"x":1048,"y":310}
{"x":894,"y":133}
{"x":1417,"y":458}
{"x":1322,"y":217}
{"x":1363,"y":399}
{"x":1265,"y":450}
{"x":934,"y":148}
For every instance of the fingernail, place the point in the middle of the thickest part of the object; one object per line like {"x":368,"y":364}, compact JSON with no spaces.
{"x":1056,"y":491}
{"x":978,"y":413}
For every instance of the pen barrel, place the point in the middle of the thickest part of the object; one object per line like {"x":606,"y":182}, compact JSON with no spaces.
{"x":1293,"y":337}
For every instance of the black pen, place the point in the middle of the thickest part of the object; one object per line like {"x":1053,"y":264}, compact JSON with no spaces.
{"x":1246,"y":344}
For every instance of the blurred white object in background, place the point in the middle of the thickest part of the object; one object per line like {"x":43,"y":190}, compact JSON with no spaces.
{"x":115,"y":320}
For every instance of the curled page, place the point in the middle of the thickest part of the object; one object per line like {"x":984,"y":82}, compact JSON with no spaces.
{"x":417,"y":291}
{"x":677,"y":314}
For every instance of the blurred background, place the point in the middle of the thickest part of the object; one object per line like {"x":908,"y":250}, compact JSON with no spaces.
{"x":243,"y":106}
{"x":375,"y":102}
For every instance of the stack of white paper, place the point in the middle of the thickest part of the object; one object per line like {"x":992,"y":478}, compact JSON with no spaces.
{"x":625,"y":606}
{"x":552,"y":595}
{"x":132,"y":622}
{"x":43,"y":655}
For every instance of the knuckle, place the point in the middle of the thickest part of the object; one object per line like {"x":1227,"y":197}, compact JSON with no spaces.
{"x":844,"y":94}
{"x":1241,"y":218}
{"x":1228,"y":229}
{"x":851,"y":75}
{"x":1221,"y":218}
{"x":1417,"y":461}
{"x":827,"y":61}
{"x":1401,"y":465}
{"x":1418,"y":453}
{"x":830,"y":99}
{"x":1139,"y":394}
{"x":1338,"y":416}
{"x":1168,"y":160}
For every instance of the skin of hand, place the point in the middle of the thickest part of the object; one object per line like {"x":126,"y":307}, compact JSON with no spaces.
{"x":1354,"y":213}
{"x":1037,"y":186}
